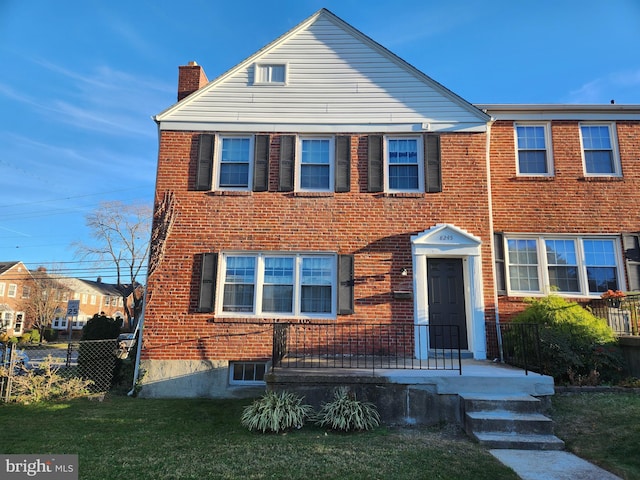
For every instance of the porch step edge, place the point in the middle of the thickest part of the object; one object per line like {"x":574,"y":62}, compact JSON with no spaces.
{"x":518,"y":441}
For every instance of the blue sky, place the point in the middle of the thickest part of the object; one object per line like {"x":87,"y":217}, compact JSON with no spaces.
{"x":80,"y":81}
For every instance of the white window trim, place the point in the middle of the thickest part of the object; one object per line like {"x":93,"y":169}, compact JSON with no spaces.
{"x":547,"y":143}
{"x":543,"y":269}
{"x":218,"y":159}
{"x":259,"y":283}
{"x":232,"y":381}
{"x":258,"y":66}
{"x":420,"y":152}
{"x":2,"y":287}
{"x":12,"y":291}
{"x":613,"y":137}
{"x":298,"y":166}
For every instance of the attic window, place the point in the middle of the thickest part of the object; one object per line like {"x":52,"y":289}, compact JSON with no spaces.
{"x":270,"y":74}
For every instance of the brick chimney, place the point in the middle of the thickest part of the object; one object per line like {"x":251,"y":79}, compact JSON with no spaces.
{"x":191,"y":77}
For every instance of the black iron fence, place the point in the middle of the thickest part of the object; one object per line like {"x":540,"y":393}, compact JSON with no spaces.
{"x":516,"y":344}
{"x":95,"y":362}
{"x":622,"y":314}
{"x":367,"y":346}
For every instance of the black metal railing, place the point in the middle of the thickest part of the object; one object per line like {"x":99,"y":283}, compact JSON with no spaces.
{"x":621,"y":314}
{"x":516,"y":344}
{"x":367,"y":346}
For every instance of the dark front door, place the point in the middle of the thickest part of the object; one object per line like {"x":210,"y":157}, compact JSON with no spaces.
{"x":446,"y":302}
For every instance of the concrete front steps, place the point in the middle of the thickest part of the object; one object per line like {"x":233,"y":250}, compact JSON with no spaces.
{"x":502,"y":421}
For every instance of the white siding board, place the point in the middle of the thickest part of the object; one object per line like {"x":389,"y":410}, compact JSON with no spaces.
{"x":333,"y":77}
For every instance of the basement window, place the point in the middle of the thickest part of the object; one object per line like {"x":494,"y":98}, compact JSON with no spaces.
{"x":247,"y":373}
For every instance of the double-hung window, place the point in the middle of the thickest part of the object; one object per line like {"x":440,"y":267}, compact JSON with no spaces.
{"x":533,"y":147}
{"x":278,"y":284}
{"x":599,"y":149}
{"x":2,"y":286}
{"x":581,"y":266}
{"x":234,"y":165}
{"x":11,"y":292}
{"x":404,"y":164}
{"x":315,"y":164}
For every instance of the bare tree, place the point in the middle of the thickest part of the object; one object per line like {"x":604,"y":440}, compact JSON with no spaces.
{"x":122,"y":234}
{"x":47,"y":298}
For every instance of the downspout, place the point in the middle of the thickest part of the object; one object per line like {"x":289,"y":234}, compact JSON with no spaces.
{"x":140,"y":324}
{"x":492,"y":240}
{"x":138,"y":337}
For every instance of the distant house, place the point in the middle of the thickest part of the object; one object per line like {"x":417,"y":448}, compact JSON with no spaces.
{"x":15,"y":288}
{"x":326,"y":180}
{"x":95,"y":297}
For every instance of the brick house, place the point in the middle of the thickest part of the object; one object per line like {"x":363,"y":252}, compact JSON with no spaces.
{"x":324,"y":179}
{"x":16,"y":286}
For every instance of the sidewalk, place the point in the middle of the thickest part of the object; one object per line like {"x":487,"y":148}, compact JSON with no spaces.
{"x":550,"y":465}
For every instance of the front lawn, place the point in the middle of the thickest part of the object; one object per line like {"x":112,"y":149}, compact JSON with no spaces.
{"x":202,"y":439}
{"x":603,"y":428}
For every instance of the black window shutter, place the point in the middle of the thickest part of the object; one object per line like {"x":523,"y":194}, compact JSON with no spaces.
{"x":343,"y":163}
{"x":432,"y":163}
{"x":208,"y":282}
{"x":501,"y":281}
{"x":261,"y":164}
{"x":345,"y":284}
{"x":631,"y":245}
{"x":287,"y":160}
{"x":205,"y":162}
{"x":375,"y":175}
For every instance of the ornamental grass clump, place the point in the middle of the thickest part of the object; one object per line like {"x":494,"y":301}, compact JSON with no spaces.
{"x":276,"y":412}
{"x":345,"y":413}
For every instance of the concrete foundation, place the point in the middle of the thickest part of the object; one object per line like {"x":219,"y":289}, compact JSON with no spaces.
{"x":413,"y":397}
{"x":191,"y":379}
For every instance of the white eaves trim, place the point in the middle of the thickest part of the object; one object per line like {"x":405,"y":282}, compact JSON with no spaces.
{"x":323,"y":128}
{"x":545,"y":112}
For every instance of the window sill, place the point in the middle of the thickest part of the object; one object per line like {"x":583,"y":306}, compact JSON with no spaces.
{"x":533,"y":178}
{"x":601,"y":179}
{"x":313,"y":194}
{"x":403,"y":195}
{"x":231,"y":193}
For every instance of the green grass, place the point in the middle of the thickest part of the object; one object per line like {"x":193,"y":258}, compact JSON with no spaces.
{"x":202,"y":439}
{"x":603,"y":428}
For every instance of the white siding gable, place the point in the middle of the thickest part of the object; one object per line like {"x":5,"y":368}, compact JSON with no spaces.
{"x":337,"y":80}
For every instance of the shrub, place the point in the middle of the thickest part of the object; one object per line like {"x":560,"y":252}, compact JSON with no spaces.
{"x":576,"y":346}
{"x":276,"y":412}
{"x":49,"y":334}
{"x":45,"y":384}
{"x":35,"y":336}
{"x":101,"y":327}
{"x":25,"y":337}
{"x":346,"y":413}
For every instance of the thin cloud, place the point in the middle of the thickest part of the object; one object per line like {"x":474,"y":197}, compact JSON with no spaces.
{"x":598,"y":90}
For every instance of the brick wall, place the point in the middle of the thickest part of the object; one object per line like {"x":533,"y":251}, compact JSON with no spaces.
{"x":374,"y":227}
{"x":567,"y":202}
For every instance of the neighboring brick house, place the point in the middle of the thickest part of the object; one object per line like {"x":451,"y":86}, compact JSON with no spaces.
{"x":324,"y":179}
{"x":16,"y":286}
{"x":565,"y":185}
{"x":95,"y":297}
